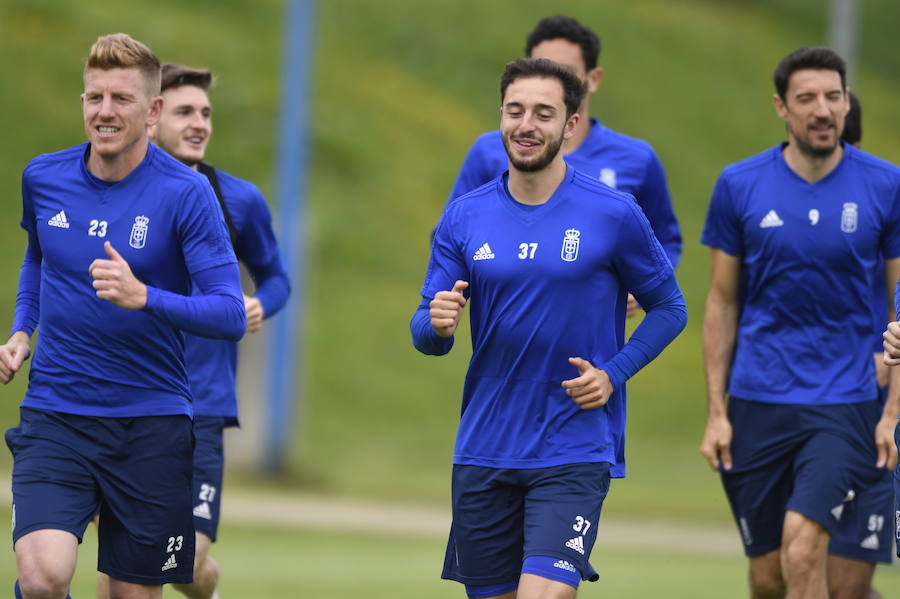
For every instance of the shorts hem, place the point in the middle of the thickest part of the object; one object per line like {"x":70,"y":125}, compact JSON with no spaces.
{"x":820,"y":519}
{"x":180,"y":578}
{"x":46,"y":526}
{"x":853,"y":552}
{"x":209,"y":533}
{"x":760,"y":551}
{"x":479,"y":582}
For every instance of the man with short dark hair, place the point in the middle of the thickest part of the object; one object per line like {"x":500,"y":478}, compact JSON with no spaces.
{"x":805,"y":446}
{"x":546,"y":255}
{"x":622,"y":162}
{"x":118,"y":233}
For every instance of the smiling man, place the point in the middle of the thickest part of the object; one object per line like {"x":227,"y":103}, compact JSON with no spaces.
{"x":622,"y":162}
{"x":546,"y":256}
{"x":118,"y":232}
{"x":804,"y":446}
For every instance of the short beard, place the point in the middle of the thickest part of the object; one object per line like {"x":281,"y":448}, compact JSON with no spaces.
{"x":537,"y":164}
{"x":814,"y":152}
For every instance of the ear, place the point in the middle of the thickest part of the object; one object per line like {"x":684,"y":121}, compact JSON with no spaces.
{"x":571,"y":125}
{"x":594,"y":78}
{"x":780,"y":107}
{"x":156,"y":104}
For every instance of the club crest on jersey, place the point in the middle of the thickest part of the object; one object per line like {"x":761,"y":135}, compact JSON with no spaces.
{"x":608,"y":176}
{"x":570,"y":245}
{"x":849,"y":217}
{"x":139,"y":232}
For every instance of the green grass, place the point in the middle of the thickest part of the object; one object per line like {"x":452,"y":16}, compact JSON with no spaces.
{"x":265,"y":562}
{"x":399,"y":94}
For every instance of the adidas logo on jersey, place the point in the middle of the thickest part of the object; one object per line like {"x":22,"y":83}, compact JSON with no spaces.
{"x":170,"y":563}
{"x":577,"y":544}
{"x":871,"y":542}
{"x":59,"y":220}
{"x":770,"y":220}
{"x":564,"y":565}
{"x":203,"y":511}
{"x":484,"y":253}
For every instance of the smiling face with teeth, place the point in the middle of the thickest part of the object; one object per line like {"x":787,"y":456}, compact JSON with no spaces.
{"x":534,"y":123}
{"x":118,"y":110}
{"x":814,"y":109}
{"x":185,"y":125}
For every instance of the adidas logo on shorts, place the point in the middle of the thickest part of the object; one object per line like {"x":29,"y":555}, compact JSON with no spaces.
{"x":871,"y":542}
{"x":170,"y":563}
{"x":577,"y":544}
{"x":203,"y":511}
{"x":564,"y":565}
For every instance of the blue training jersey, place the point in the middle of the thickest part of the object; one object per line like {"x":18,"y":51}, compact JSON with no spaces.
{"x":94,"y":358}
{"x":212,"y":363}
{"x":620,"y":161}
{"x":809,"y":254}
{"x":546,"y":283}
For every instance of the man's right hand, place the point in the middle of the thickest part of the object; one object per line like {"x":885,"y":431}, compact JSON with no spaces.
{"x":12,"y":354}
{"x":716,"y":445}
{"x":446,"y":309}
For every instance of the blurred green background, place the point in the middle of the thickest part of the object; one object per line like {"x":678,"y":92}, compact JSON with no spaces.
{"x":401,"y":88}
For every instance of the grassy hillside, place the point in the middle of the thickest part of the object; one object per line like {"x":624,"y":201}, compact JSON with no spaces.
{"x":400,"y":92}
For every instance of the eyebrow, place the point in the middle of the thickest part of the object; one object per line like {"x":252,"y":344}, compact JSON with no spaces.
{"x":192,"y":107}
{"x":833,"y":90}
{"x":536,"y":106}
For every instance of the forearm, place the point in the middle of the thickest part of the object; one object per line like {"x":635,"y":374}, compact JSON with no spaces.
{"x":217,"y":313}
{"x":719,"y":334}
{"x":666,"y":318}
{"x":424,"y":337}
{"x":892,"y":404}
{"x":28,"y":298}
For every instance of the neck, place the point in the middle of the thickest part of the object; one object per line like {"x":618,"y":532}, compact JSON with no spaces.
{"x":535,"y":188}
{"x":809,"y":167}
{"x":116,"y":168}
{"x":581,"y":129}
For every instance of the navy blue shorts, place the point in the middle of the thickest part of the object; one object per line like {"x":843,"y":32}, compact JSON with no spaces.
{"x":815,"y":460}
{"x":502,"y":516}
{"x":135,"y":471}
{"x":209,"y":462}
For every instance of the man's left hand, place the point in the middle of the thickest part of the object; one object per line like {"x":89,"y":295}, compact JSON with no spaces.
{"x":591,"y":389}
{"x":115,"y":282}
